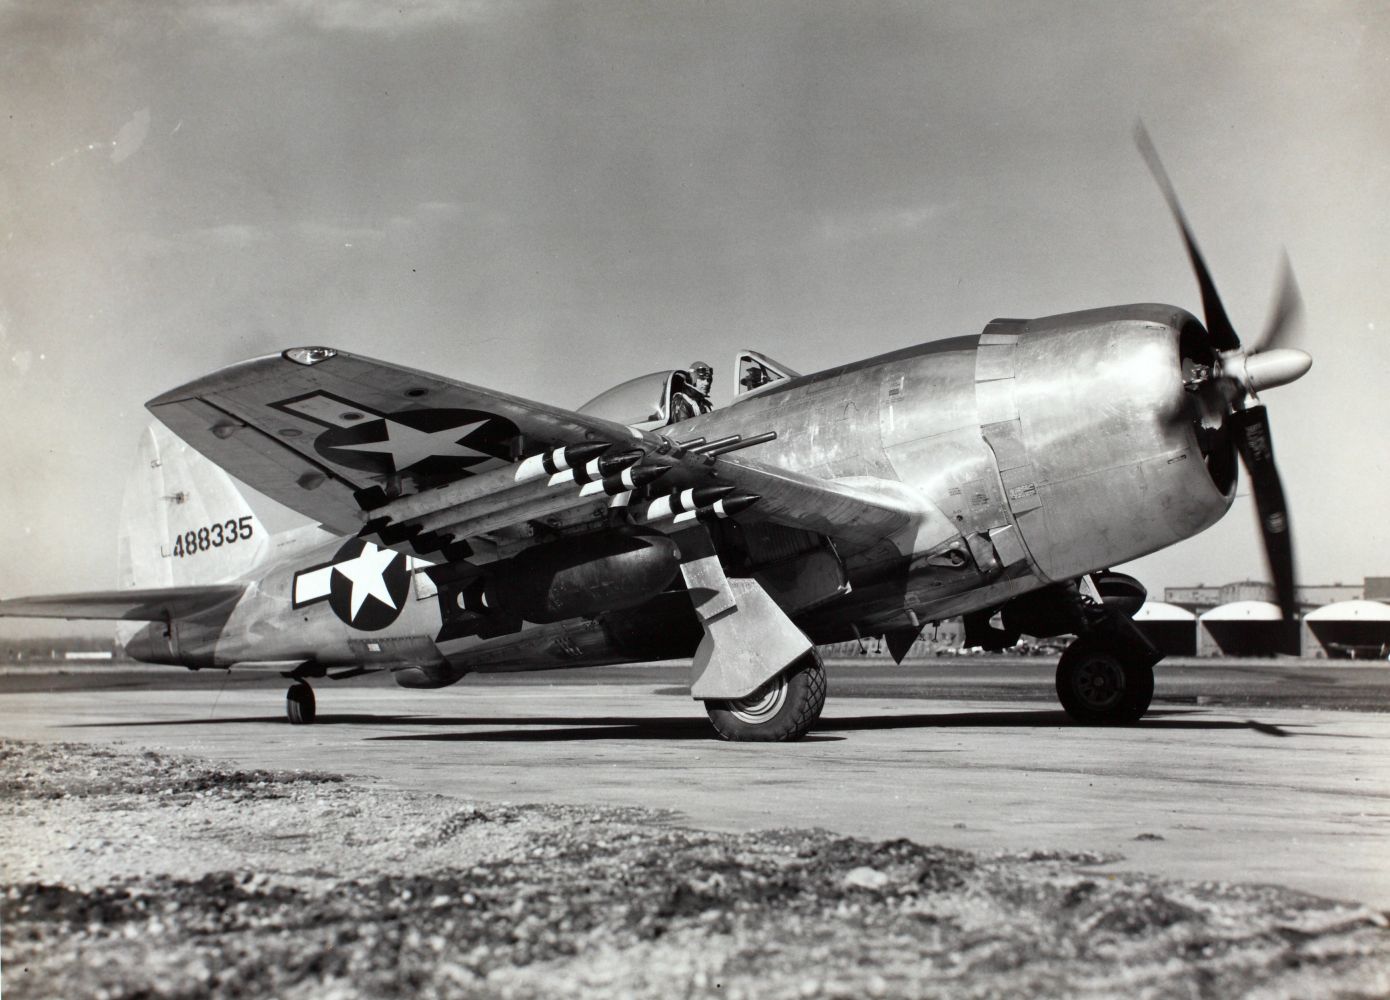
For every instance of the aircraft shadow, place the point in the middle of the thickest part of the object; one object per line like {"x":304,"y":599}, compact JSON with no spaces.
{"x":675,"y":730}
{"x":564,"y":729}
{"x":1040,"y":719}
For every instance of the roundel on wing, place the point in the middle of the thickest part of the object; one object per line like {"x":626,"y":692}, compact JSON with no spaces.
{"x":369,"y":585}
{"x":444,"y":443}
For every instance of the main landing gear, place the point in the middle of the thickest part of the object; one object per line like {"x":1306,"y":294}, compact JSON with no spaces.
{"x":783,"y":709}
{"x":299,"y":703}
{"x":1106,"y":676}
{"x":1101,"y":681}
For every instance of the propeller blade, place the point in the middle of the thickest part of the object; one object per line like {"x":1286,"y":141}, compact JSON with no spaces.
{"x":1223,"y":334}
{"x":1257,"y":453}
{"x":1288,"y":305}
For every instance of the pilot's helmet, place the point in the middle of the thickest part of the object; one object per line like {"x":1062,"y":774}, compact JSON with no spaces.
{"x":702,"y":376}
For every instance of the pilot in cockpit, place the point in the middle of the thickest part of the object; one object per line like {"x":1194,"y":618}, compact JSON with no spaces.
{"x":690,"y":392}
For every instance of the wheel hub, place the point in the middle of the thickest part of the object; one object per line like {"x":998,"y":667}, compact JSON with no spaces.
{"x":1100,"y":682}
{"x":762,"y":704}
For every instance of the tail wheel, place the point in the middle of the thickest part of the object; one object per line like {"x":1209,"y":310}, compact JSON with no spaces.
{"x":299,"y":704}
{"x":1098,"y":685}
{"x":783,"y":709}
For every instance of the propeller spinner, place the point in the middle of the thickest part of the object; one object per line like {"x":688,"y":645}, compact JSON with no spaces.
{"x":1241,"y":373}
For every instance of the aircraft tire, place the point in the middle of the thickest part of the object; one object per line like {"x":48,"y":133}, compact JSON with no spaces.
{"x":299,"y":704}
{"x":1098,"y":686}
{"x":782,"y":710}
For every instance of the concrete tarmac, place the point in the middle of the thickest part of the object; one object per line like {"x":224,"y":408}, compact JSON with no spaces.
{"x":1288,"y":795}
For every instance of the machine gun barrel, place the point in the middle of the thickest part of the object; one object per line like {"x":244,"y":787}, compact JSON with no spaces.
{"x":724,"y":447}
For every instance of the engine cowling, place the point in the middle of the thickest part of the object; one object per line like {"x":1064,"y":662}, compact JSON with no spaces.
{"x":1103,"y":454}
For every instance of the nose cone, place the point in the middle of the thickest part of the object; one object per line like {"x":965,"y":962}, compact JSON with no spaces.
{"x":1273,"y":368}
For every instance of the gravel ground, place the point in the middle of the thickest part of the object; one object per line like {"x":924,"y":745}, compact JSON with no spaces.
{"x":147,"y":875}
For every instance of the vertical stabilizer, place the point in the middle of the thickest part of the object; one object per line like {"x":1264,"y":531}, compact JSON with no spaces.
{"x":183,"y":520}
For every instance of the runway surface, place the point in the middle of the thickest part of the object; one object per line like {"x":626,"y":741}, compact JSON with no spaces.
{"x":1245,"y":772}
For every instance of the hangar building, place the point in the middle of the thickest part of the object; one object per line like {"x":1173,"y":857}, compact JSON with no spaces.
{"x":1241,"y":619}
{"x":1170,"y":628}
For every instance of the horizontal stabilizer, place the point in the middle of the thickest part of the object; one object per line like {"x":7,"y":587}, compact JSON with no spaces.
{"x":155,"y":605}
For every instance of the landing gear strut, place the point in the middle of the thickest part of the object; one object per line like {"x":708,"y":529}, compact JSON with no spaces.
{"x":299,"y":703}
{"x":783,"y":709}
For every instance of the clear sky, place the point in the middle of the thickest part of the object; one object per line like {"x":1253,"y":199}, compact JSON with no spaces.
{"x":548,"y":198}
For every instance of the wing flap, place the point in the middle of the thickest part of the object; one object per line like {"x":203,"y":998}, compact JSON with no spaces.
{"x":153,"y":605}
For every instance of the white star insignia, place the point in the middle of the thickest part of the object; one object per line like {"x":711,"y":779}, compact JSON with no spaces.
{"x":407,"y":446}
{"x":367,"y":573}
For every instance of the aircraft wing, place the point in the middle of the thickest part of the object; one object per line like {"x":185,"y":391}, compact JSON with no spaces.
{"x":856,"y":512}
{"x":154,"y":605}
{"x":365,"y":446}
{"x":312,"y":428}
